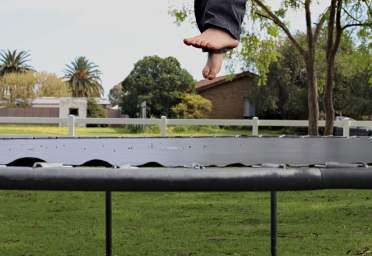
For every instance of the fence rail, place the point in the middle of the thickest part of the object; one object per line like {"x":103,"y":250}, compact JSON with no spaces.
{"x":72,"y":122}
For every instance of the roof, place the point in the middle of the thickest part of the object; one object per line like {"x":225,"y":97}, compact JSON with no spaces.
{"x":101,"y":101}
{"x":46,"y":101}
{"x":57,"y":100}
{"x":207,"y":84}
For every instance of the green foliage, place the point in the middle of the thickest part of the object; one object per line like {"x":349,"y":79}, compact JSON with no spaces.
{"x":115,"y":95}
{"x":287,"y":81}
{"x":183,"y":13}
{"x":17,"y":88}
{"x":357,"y":15}
{"x":160,"y":82}
{"x":258,"y":54}
{"x":14,"y":62}
{"x":192,"y":106}
{"x":287,"y":84}
{"x":353,"y":90}
{"x":179,"y":15}
{"x":84,"y":78}
{"x":20,"y":88}
{"x":50,"y":85}
{"x":94,"y":110}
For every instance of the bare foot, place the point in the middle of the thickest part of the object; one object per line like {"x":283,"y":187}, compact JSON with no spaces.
{"x":213,"y":39}
{"x":213,"y":66}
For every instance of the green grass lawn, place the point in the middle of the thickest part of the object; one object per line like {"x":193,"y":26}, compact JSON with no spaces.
{"x":326,"y":222}
{"x":178,"y":224}
{"x":38,"y":130}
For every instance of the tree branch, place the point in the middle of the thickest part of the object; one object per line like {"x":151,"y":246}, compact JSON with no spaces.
{"x":331,"y":28}
{"x":338,"y":28}
{"x":264,"y":16}
{"x":319,"y":26}
{"x":351,"y":16}
{"x":310,"y":36}
{"x":356,"y":25}
{"x":271,"y":16}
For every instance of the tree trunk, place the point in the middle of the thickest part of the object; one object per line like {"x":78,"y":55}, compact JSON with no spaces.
{"x":333,"y":45}
{"x":328,"y":97}
{"x":312,"y":96}
{"x":312,"y":86}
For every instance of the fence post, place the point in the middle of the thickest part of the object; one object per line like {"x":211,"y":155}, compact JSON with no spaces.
{"x":346,"y":128}
{"x":163,"y":126}
{"x":255,"y":126}
{"x":71,"y":126}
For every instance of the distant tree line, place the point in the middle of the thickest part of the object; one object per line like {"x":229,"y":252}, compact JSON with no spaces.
{"x":20,"y":83}
{"x":285,"y":93}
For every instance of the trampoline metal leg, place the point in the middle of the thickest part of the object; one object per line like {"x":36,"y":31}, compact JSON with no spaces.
{"x":108,"y":215}
{"x":273,"y":200}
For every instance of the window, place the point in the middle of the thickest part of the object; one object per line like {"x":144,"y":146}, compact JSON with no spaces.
{"x":249,"y":109}
{"x":73,"y":111}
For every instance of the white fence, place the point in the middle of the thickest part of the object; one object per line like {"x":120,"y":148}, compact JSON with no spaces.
{"x":72,"y":122}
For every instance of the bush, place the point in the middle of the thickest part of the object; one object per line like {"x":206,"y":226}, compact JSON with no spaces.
{"x":192,"y":106}
{"x":95,"y":111}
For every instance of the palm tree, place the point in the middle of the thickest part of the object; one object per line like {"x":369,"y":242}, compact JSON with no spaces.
{"x":14,"y":62}
{"x":84,"y":78}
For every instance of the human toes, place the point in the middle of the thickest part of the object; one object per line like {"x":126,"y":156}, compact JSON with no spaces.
{"x":215,"y":65}
{"x":204,"y":43}
{"x":187,"y":41}
{"x":212,"y":75}
{"x":206,"y":71}
{"x":191,"y":41}
{"x":213,"y":71}
{"x":198,"y":43}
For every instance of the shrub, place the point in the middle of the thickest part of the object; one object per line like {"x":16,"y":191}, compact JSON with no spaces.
{"x":192,"y":106}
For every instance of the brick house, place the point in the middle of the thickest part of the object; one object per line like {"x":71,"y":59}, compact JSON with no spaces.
{"x":229,"y":95}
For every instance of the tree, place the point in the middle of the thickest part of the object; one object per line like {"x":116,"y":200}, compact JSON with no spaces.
{"x":50,"y":85}
{"x":160,"y":82}
{"x":14,"y":62}
{"x":21,"y":88}
{"x":17,"y":86}
{"x":84,"y":78}
{"x":116,"y":95}
{"x":286,"y":83}
{"x":353,"y":82}
{"x":192,"y":106}
{"x":343,"y":15}
{"x":94,"y":110}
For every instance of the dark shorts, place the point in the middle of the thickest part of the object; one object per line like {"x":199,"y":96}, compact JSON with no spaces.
{"x":224,"y":14}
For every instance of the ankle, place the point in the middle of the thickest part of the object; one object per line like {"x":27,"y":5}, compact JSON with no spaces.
{"x":217,"y":30}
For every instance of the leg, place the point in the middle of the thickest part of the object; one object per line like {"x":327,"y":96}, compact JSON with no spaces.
{"x":226,"y":15}
{"x":199,"y":8}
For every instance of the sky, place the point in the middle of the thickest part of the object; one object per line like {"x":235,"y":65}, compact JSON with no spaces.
{"x":114,"y":34}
